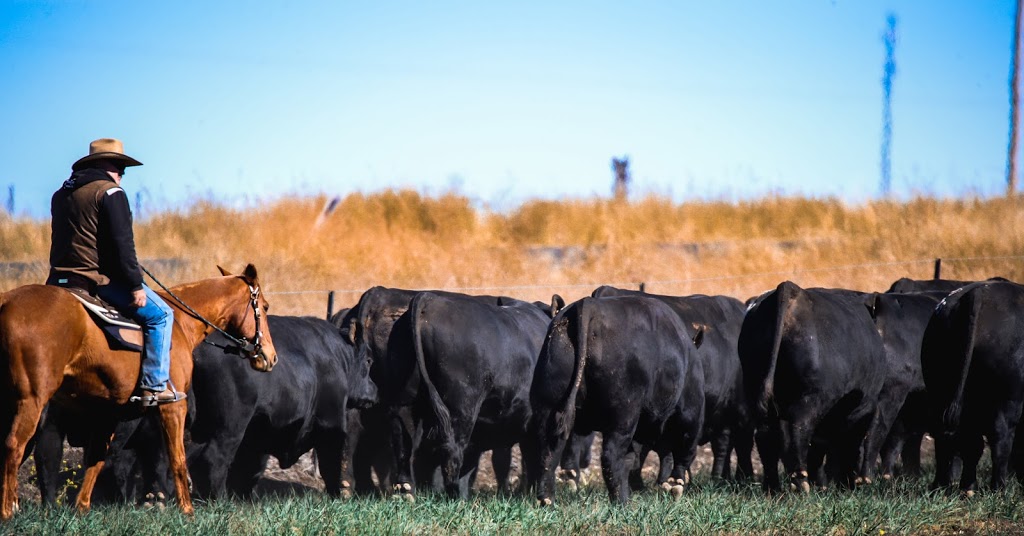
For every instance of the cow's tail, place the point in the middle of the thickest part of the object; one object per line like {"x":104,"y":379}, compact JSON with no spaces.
{"x":565,"y":418}
{"x":951,"y":416}
{"x":444,"y":418}
{"x":784,"y":297}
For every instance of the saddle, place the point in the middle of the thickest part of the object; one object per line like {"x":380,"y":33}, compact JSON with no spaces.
{"x":122,"y":332}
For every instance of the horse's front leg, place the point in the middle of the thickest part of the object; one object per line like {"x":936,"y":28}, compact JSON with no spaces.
{"x":172,"y":416}
{"x":95,"y":453}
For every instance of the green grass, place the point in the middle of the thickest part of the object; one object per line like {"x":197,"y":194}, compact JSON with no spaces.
{"x":899,"y":507}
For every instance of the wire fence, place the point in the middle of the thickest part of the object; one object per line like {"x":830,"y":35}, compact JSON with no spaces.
{"x":935,"y":262}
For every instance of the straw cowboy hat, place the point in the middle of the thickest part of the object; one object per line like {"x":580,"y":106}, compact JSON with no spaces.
{"x":105,"y":149}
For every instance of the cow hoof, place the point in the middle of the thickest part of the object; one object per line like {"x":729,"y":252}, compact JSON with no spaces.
{"x":546,"y":501}
{"x":345,"y":484}
{"x":397,"y":488}
{"x":346,"y":494}
{"x":677,"y":491}
{"x":887,"y":477}
{"x":792,"y":486}
{"x":805,"y":487}
{"x":160,"y":506}
{"x":147,"y":505}
{"x":571,"y":484}
{"x":666,"y":486}
{"x":969,"y":494}
{"x":407,"y":487}
{"x":396,"y":496}
{"x":408,"y":497}
{"x":160,"y":496}
{"x":868,"y":481}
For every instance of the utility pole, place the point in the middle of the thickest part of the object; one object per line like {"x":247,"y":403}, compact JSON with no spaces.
{"x":1011,"y":151}
{"x":10,"y":200}
{"x":888,"y":73}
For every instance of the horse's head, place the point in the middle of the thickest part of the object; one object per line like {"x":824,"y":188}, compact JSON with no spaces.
{"x":249,"y":321}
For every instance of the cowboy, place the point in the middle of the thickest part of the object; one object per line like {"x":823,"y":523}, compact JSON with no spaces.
{"x":92,"y":248}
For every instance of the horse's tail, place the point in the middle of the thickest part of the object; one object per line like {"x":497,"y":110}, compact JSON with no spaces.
{"x":784,"y":296}
{"x":951,"y":416}
{"x":566,"y":418}
{"x":437,"y":404}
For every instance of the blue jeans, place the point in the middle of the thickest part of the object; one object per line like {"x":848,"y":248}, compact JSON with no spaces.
{"x":156,"y":319}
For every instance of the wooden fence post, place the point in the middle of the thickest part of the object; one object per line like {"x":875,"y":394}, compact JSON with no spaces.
{"x":938,"y":268}
{"x":330,"y":304}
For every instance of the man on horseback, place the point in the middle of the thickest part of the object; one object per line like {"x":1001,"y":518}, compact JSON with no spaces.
{"x":92,"y":247}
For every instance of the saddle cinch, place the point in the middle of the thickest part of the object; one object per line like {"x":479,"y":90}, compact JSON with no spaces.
{"x":122,"y":332}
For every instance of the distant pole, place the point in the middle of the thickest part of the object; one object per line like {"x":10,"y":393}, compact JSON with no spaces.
{"x":620,"y":189}
{"x":1011,"y":151}
{"x":330,"y":304}
{"x":938,"y":269}
{"x":888,"y":73}
{"x":10,"y":199}
{"x":138,"y":205}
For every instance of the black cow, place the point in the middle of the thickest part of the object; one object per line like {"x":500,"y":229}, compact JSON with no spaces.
{"x":623,"y":366}
{"x":371,"y":326}
{"x":242,"y":418}
{"x":901,"y":420}
{"x":905,"y":285}
{"x":972,"y":357}
{"x":475,"y":362}
{"x":727,"y":423}
{"x":813,"y":366}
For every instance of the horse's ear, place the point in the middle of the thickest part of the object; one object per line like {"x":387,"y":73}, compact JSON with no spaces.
{"x":223,"y":271}
{"x":249,"y":273}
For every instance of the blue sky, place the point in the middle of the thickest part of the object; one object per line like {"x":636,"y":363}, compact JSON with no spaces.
{"x":242,"y":102}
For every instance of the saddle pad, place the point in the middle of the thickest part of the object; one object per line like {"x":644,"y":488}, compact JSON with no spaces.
{"x":122,"y":330}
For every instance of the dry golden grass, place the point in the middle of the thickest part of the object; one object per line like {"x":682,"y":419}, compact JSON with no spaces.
{"x":403,"y":239}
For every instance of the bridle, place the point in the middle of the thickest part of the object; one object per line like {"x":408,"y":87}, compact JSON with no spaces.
{"x":242,"y":346}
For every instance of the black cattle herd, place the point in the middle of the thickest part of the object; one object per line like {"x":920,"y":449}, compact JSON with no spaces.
{"x":407,"y":389}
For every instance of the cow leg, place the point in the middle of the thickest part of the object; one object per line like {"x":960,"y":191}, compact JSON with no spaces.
{"x":172,"y":417}
{"x":246,"y":470}
{"x":329,"y":448}
{"x":1001,"y":440}
{"x":720,"y":448}
{"x":743,"y":444}
{"x":944,"y":450}
{"x":769,"y":445}
{"x":795,"y":460}
{"x":636,"y":477}
{"x":501,"y":460}
{"x":891,"y":449}
{"x":49,"y":452}
{"x":542,"y":457}
{"x":911,"y":454}
{"x":94,"y":454}
{"x":402,"y":446}
{"x":614,"y":447}
{"x":971,"y":448}
{"x":22,"y":427}
{"x":877,"y":432}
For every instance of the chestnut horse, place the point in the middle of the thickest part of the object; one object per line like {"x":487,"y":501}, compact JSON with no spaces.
{"x":51,"y":348}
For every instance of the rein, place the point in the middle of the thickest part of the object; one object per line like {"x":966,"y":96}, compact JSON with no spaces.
{"x":242,"y":347}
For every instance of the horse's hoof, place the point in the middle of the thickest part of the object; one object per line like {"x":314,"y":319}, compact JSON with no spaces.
{"x":677,"y":491}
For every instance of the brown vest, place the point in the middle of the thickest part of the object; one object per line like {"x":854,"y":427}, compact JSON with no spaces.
{"x":74,"y":251}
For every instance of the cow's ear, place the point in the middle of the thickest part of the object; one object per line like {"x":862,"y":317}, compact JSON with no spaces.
{"x":350,"y":331}
{"x":223,"y":271}
{"x":557,"y":304}
{"x":698,"y":338}
{"x":871,"y":302}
